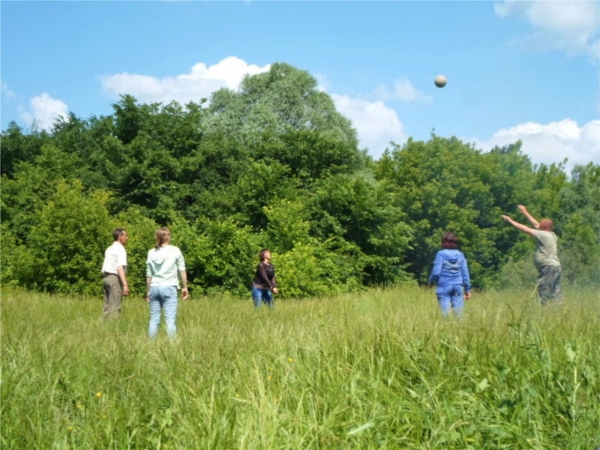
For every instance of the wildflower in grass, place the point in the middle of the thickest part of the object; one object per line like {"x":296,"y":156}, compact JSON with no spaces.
{"x":269,"y":378}
{"x":98,"y":394}
{"x":79,"y":405}
{"x":70,"y":428}
{"x":290,"y":359}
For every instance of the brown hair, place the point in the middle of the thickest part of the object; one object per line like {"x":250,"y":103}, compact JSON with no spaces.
{"x":261,"y":255}
{"x":117,"y":233}
{"x":546,"y":225}
{"x":162,"y":235}
{"x":449,"y":240}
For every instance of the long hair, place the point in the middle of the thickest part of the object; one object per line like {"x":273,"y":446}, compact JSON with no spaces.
{"x":449,"y":240}
{"x":162,"y":235}
{"x":261,"y":255}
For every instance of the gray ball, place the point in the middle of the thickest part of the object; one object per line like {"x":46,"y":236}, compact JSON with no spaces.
{"x":440,"y":81}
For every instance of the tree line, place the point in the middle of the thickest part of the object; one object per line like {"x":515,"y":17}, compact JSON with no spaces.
{"x":275,"y":165}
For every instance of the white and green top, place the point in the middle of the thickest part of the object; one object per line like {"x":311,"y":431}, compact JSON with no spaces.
{"x":163,"y":265}
{"x":546,"y":253}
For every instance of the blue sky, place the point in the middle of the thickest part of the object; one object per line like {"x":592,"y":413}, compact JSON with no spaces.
{"x":516,"y":70}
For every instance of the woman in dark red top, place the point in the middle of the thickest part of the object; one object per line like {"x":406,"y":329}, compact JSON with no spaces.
{"x":265,"y":281}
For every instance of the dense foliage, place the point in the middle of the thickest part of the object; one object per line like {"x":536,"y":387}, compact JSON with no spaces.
{"x":275,"y":165}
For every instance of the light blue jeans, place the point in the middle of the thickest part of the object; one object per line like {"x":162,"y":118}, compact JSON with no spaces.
{"x":163,"y":298}
{"x":262,"y":295}
{"x":450,"y":296}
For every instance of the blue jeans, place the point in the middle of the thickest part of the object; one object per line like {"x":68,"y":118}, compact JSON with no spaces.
{"x":450,"y":296}
{"x":163,"y":298}
{"x":260,"y":295}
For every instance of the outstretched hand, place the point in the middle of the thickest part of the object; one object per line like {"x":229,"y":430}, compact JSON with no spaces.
{"x":522,"y":209}
{"x":506,"y":218}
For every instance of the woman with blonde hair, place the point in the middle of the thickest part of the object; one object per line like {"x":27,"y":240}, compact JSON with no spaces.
{"x":163,"y":265}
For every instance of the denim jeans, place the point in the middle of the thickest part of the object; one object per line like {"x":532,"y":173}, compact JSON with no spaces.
{"x":163,"y":298}
{"x":260,"y":295}
{"x":450,"y":296}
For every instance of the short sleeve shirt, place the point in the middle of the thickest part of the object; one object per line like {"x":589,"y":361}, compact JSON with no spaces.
{"x":546,"y":253}
{"x":114,"y":256}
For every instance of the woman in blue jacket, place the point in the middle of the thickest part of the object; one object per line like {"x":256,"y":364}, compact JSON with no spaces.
{"x":451,"y":273}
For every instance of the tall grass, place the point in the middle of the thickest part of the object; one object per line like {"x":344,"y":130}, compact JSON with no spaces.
{"x":379,"y":369}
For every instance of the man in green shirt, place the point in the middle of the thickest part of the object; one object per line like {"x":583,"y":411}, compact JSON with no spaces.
{"x":545,"y":256}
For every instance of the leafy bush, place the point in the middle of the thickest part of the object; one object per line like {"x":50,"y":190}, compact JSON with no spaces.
{"x":66,"y":248}
{"x":220,"y":256}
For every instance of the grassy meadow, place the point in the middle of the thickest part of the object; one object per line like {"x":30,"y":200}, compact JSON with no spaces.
{"x":376,"y":370}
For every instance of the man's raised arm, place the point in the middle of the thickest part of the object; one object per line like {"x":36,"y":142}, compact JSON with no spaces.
{"x":519,"y":226}
{"x":533,"y":222}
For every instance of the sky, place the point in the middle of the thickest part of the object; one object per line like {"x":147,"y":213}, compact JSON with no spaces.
{"x":516,"y":70}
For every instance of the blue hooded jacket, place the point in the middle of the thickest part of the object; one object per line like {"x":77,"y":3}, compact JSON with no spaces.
{"x":450,"y":269}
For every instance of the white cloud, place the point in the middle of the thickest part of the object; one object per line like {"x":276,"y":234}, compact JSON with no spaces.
{"x":572,"y":26}
{"x":323,"y":83}
{"x":6,"y":91}
{"x":402,"y":90}
{"x":552,"y":142}
{"x":43,"y":111}
{"x":199,"y":83}
{"x":376,"y":123}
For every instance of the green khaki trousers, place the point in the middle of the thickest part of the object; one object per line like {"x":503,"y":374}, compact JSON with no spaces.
{"x":113,"y":296}
{"x":549,"y":284}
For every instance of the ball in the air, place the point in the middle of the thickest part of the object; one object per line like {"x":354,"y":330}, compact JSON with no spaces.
{"x":440,"y":81}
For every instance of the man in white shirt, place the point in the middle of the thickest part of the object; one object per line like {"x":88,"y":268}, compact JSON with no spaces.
{"x":545,"y":257}
{"x":114,"y":270}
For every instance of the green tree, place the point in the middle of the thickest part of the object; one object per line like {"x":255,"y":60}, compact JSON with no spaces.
{"x":310,"y":154}
{"x":307,"y":266}
{"x":19,"y":147}
{"x":220,"y":256}
{"x":444,"y":184}
{"x":579,"y":217}
{"x":361,"y":211}
{"x":65,"y":250}
{"x":282,"y":100}
{"x":33,"y":184}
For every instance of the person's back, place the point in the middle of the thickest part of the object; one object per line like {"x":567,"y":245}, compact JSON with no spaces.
{"x":163,"y":265}
{"x":451,"y":274}
{"x":450,"y":268}
{"x":451,"y":265}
